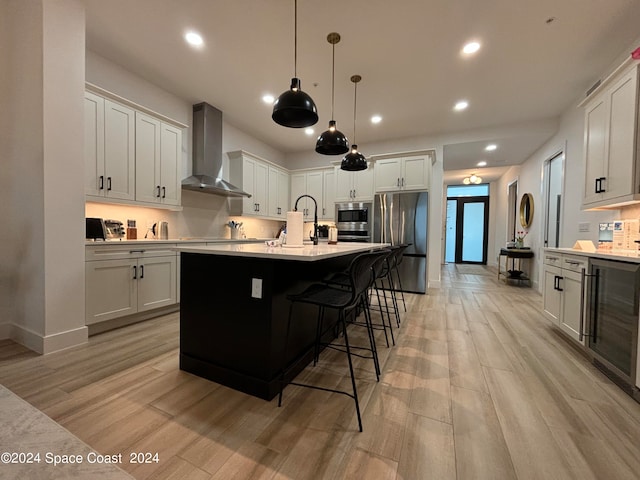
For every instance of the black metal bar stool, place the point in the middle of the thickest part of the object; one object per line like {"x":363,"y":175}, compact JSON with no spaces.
{"x":345,"y":301}
{"x":379,"y":268}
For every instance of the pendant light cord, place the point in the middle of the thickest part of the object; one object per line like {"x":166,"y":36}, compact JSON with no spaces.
{"x":333,"y":78}
{"x":355,"y":102}
{"x":295,"y":38}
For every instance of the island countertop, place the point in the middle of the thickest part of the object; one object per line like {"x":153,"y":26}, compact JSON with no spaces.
{"x":305,"y":253}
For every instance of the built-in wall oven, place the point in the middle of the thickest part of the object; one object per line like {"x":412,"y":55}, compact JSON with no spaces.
{"x":354,"y":222}
{"x":612,"y":320}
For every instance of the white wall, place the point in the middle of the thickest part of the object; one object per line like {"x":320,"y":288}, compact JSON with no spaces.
{"x":42,"y":256}
{"x":6,"y":303}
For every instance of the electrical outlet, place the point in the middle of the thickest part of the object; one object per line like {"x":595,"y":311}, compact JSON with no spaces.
{"x":583,"y":227}
{"x":256,"y":288}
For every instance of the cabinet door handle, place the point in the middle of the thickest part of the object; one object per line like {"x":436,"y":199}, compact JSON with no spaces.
{"x":323,"y":214}
{"x":141,"y":271}
{"x":158,"y":192}
{"x":108,"y":183}
{"x":602,"y":179}
{"x":559,"y":289}
{"x":398,"y":182}
{"x":101,"y":182}
{"x":354,"y":194}
{"x":135,"y":272}
{"x":164,"y":192}
{"x":403,"y":181}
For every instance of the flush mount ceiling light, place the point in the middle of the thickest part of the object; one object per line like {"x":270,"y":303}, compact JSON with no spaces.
{"x":482,"y":163}
{"x":471,"y":48}
{"x":472,"y":179}
{"x":268,"y":99}
{"x":376,"y":119}
{"x":309,"y":131}
{"x":294,"y":108}
{"x":194,"y":39}
{"x":491,"y":147}
{"x":461,"y":105}
{"x":332,"y":141}
{"x":354,"y":161}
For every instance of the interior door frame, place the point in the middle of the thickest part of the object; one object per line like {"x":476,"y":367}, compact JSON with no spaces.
{"x":461,"y":201}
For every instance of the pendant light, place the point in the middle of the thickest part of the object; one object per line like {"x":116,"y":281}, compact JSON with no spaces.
{"x":332,"y":141}
{"x":294,"y":108}
{"x":354,"y":161}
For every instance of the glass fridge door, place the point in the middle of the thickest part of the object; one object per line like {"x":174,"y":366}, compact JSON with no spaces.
{"x":613,"y":326}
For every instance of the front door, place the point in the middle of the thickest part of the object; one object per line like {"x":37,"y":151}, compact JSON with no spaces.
{"x":467,"y":229}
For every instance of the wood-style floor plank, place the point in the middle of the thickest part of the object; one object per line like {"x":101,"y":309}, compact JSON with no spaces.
{"x":479,"y":385}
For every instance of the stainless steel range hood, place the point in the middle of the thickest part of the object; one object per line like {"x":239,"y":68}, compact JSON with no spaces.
{"x":207,"y":154}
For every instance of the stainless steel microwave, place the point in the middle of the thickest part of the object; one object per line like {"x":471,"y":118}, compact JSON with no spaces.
{"x":354,"y":221}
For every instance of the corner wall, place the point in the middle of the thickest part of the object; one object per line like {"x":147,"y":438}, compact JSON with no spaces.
{"x":42,"y":258}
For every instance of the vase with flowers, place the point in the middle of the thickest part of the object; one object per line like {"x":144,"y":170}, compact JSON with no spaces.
{"x":520,"y":238}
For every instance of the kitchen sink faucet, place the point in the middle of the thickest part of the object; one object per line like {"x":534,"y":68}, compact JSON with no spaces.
{"x":315,"y":216}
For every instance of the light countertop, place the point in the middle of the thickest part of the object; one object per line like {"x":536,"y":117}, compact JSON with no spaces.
{"x":260,"y":250}
{"x":179,"y":241}
{"x":629,"y":256}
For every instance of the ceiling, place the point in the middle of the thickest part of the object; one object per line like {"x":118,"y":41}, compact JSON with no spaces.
{"x":536,"y":58}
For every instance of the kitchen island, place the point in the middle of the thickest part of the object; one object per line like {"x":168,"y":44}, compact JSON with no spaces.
{"x":233,"y":311}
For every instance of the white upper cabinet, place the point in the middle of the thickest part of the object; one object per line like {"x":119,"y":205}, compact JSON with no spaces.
{"x":319,"y":184}
{"x":278,"y":193}
{"x":158,"y":148}
{"x":109,"y":148}
{"x":354,"y":186}
{"x":131,"y":156}
{"x":611,"y":146}
{"x":328,"y":195}
{"x":267,"y":184}
{"x":402,"y":173}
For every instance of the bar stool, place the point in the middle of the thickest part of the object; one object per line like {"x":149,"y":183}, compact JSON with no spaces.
{"x":345,"y":301}
{"x":341,"y":279}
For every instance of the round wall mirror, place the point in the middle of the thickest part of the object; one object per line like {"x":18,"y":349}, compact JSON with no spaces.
{"x":526,"y":210}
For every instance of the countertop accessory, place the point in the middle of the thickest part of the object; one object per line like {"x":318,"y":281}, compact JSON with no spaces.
{"x":114,"y":229}
{"x":235,"y":229}
{"x":354,"y":161}
{"x":295,"y":226}
{"x":332,"y":141}
{"x":294,"y":108}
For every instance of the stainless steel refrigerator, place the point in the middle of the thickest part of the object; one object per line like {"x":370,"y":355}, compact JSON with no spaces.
{"x":401,"y":218}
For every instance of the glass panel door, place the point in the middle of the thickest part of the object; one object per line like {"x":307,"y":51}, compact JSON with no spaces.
{"x":473,"y":223}
{"x":450,"y":240}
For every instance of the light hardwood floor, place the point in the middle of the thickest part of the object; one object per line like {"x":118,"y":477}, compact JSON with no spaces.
{"x":479,"y":386}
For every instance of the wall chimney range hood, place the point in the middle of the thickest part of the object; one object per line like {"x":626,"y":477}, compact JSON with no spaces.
{"x":207,"y":155}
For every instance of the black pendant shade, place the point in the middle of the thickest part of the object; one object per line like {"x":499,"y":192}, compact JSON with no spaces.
{"x":294,"y":108}
{"x":332,"y":141}
{"x":353,"y":161}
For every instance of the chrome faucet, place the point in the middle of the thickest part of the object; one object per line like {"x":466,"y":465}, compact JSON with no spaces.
{"x":315,"y":216}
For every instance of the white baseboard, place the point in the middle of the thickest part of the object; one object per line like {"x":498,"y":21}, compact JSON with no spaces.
{"x":5,"y":331}
{"x":49,"y":343}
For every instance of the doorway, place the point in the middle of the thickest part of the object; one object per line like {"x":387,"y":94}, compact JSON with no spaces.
{"x":553,"y":178}
{"x":467,"y":224}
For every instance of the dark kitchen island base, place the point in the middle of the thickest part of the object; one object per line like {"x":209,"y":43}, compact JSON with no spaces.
{"x":229,"y":336}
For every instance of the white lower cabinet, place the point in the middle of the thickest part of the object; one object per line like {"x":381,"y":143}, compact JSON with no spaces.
{"x":563,"y":292}
{"x":117,"y":287}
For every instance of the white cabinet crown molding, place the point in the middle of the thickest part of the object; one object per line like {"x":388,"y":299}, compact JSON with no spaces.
{"x":90,"y":87}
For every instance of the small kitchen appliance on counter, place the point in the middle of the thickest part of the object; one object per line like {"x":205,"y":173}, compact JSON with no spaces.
{"x":115,"y":229}
{"x":95,"y":229}
{"x":160,"y":230}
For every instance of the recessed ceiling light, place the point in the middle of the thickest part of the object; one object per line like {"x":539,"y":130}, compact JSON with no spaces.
{"x":309,"y":131}
{"x":482,"y":164}
{"x":471,"y":47}
{"x":461,"y":105}
{"x":194,"y":39}
{"x":376,"y":119}
{"x":268,"y":99}
{"x":491,"y":147}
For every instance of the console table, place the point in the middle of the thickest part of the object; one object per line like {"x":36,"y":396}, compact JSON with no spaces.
{"x":520,"y":257}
